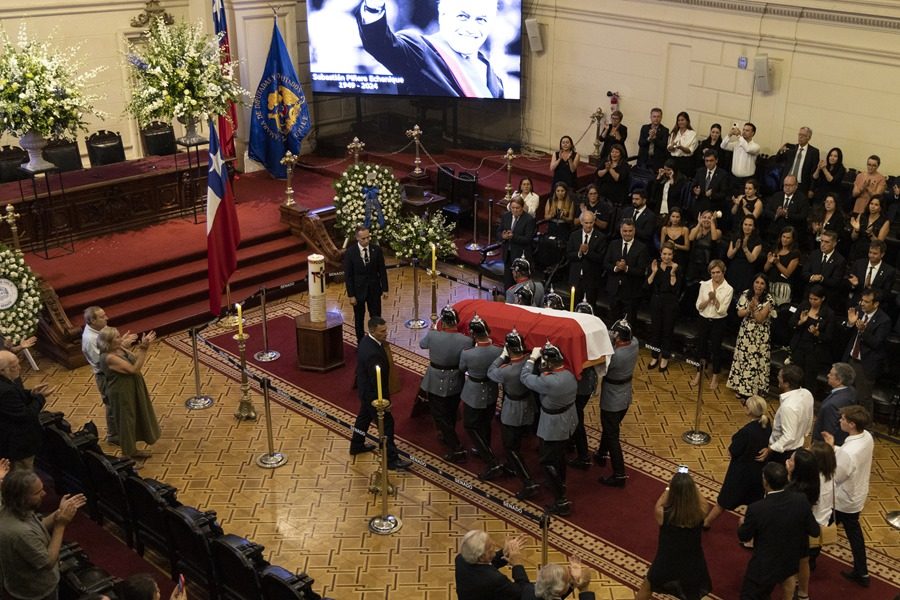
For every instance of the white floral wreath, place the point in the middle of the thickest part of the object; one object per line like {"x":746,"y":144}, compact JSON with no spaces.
{"x":411,"y":237}
{"x":20,"y":296}
{"x":350,"y":205}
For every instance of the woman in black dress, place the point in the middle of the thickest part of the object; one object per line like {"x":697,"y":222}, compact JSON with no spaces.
{"x":781,"y":265}
{"x":564,"y":163}
{"x":813,"y":327}
{"x":828,"y":176}
{"x":614,"y":176}
{"x":743,"y":255}
{"x":803,"y":478}
{"x":679,"y":568}
{"x":713,"y":142}
{"x":870,"y":225}
{"x":664,"y":282}
{"x":602,"y":209}
{"x":703,"y":238}
{"x":676,"y":232}
{"x":743,"y":480}
{"x":828,"y":217}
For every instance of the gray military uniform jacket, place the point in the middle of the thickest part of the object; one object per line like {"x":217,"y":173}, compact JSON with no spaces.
{"x":479,"y":391}
{"x":443,"y":377}
{"x":615,"y":395}
{"x":537,"y":290}
{"x":518,"y":405}
{"x":557,"y":389}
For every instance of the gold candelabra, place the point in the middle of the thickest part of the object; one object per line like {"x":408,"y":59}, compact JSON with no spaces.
{"x":289,"y":161}
{"x":597,"y":119}
{"x":434,"y":315}
{"x":415,"y":133}
{"x":10,"y":219}
{"x":355,"y":148}
{"x":245,"y":411}
{"x":383,"y":524}
{"x":509,"y":158}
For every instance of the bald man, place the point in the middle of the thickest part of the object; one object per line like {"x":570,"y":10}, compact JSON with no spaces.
{"x":20,"y":427}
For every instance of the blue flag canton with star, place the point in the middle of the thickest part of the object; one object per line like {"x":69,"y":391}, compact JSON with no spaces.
{"x":280,"y":115}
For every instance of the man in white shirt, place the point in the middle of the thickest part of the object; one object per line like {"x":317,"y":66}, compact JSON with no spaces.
{"x":854,"y":466}
{"x":740,"y":142}
{"x":794,"y":419}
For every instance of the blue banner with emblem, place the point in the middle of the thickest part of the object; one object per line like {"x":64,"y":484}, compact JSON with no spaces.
{"x":279,"y":118}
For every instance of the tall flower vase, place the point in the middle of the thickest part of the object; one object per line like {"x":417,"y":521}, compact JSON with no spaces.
{"x":34,"y":143}
{"x":191,"y":137}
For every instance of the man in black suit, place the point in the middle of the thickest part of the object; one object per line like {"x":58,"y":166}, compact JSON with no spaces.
{"x":865,"y":350}
{"x":787,"y":207}
{"x":586,"y":250}
{"x":709,"y":189}
{"x":652,"y":142}
{"x":369,"y":355}
{"x":779,"y":526}
{"x":826,"y":267}
{"x":21,"y":434}
{"x":516,"y":230}
{"x":365,"y":277}
{"x":643,"y":218}
{"x":840,"y":378}
{"x":801,"y":160}
{"x":478,"y":565}
{"x":872,"y":272}
{"x":626,"y":266}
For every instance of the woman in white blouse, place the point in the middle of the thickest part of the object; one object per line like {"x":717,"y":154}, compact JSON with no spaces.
{"x":682,"y":143}
{"x":531,"y":199}
{"x":713,"y":302}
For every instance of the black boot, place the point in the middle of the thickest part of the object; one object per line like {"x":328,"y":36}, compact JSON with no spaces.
{"x":530,"y":488}
{"x":494,"y":470}
{"x":561,"y":505}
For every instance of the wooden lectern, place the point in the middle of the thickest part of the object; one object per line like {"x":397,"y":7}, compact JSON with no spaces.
{"x":320,"y":346}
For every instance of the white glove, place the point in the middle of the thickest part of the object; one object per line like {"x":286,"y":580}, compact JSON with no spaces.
{"x":504,"y":355}
{"x":535,"y":352}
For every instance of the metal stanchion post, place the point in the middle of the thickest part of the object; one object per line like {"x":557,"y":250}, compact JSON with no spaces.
{"x":434,"y":276}
{"x":474,"y":246}
{"x":245,"y":411}
{"x":416,"y":322}
{"x":491,"y":226}
{"x":893,"y":519}
{"x":384,"y":524}
{"x":265,"y":355}
{"x":273,"y":459}
{"x":694,"y":436}
{"x":198,"y":401}
{"x":545,"y":538}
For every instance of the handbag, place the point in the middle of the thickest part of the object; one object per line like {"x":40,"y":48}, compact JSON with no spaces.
{"x":828,"y":533}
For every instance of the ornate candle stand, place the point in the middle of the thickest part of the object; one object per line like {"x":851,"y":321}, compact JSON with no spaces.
{"x":245,"y":411}
{"x":384,"y":524}
{"x":416,"y":322}
{"x":597,"y":119}
{"x":10,"y":219}
{"x":355,"y":148}
{"x":289,"y":161}
{"x":434,"y":315}
{"x":509,"y":158}
{"x":415,"y":133}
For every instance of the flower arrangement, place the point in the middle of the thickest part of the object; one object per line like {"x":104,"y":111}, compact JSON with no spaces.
{"x":20,"y":296}
{"x":178,"y":72}
{"x":411,"y":237}
{"x":350,"y":202}
{"x":41,"y":90}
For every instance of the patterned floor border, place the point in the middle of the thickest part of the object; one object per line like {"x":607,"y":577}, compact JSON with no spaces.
{"x":607,"y":557}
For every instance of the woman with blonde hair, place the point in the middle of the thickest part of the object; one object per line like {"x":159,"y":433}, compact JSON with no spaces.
{"x":743,"y":480}
{"x":127,"y":391}
{"x":679,"y":568}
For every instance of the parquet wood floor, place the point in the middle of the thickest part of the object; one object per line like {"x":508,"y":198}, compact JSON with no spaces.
{"x":312,"y":514}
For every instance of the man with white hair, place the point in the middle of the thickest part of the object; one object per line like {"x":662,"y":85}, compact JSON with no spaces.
{"x":558,"y":581}
{"x":448,"y":62}
{"x":478,"y":565}
{"x":800,"y":160}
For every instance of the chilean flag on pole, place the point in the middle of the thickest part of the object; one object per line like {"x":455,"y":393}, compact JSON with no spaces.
{"x":223,"y":233}
{"x":227,"y":123}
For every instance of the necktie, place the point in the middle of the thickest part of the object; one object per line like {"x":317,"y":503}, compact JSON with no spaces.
{"x":512,"y":227}
{"x":857,"y":347}
{"x":869,"y":276}
{"x":625,"y":250}
{"x":798,"y":160}
{"x":787,"y":202}
{"x":586,"y":239}
{"x":709,"y":175}
{"x":637,"y":215}
{"x":366,"y":255}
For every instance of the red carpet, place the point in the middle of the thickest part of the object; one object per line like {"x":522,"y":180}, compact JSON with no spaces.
{"x":621,"y":518}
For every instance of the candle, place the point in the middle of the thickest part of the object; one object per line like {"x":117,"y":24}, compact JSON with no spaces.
{"x":240,"y":320}
{"x":433,"y":258}
{"x":572,"y":300}
{"x":378,"y":380}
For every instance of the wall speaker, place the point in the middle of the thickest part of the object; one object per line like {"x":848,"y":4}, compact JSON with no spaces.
{"x":761,"y":75}
{"x":533,"y":28}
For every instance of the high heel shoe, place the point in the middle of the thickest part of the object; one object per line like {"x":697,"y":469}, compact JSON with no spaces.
{"x":653,"y":364}
{"x":714,"y":381}
{"x":663,"y":368}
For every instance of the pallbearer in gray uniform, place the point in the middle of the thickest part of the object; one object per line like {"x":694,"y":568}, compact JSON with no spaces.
{"x":443,"y":380}
{"x":479,"y":394}
{"x":615,"y":398}
{"x":518,"y":410}
{"x":557,"y":387}
{"x":587,"y":385}
{"x":525,"y":291}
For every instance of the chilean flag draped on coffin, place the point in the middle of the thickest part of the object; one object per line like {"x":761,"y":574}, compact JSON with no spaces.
{"x":279,"y":117}
{"x":223,"y":234}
